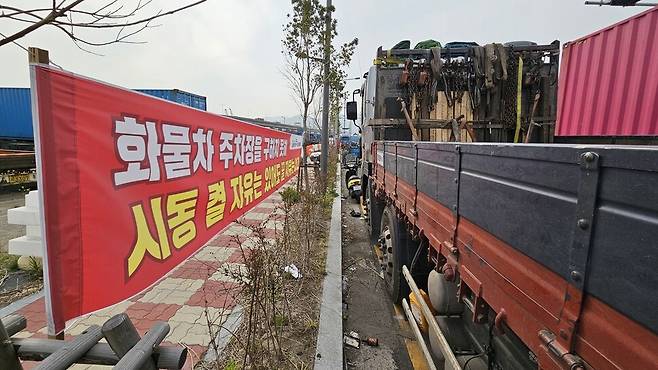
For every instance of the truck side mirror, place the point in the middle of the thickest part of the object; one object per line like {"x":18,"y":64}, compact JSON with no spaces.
{"x":351,"y":110}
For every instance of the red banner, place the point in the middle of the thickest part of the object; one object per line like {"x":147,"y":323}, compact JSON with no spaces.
{"x":132,"y":185}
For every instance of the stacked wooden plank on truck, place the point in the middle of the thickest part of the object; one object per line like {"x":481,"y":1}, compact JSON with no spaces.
{"x":444,"y":111}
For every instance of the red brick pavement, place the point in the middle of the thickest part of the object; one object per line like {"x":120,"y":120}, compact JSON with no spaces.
{"x":194,"y":291}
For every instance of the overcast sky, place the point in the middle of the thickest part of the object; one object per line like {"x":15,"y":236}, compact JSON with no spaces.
{"x":229,"y":50}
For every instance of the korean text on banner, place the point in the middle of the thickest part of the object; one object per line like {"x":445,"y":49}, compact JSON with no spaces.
{"x":132,"y":185}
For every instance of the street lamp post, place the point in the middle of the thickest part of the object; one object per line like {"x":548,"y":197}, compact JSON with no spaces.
{"x":324,"y":154}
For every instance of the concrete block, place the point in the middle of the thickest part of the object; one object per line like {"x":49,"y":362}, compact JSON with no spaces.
{"x":33,"y":232}
{"x":22,"y":246}
{"x":23,"y":216}
{"x":32,"y":199}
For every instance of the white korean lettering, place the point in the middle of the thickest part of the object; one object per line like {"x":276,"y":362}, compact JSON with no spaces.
{"x":248,"y":149}
{"x":258,"y":149}
{"x":203,"y":158}
{"x":283,"y":147}
{"x":176,"y":150}
{"x":136,"y":142}
{"x":226,"y":148}
{"x":266,"y":148}
{"x":239,"y":149}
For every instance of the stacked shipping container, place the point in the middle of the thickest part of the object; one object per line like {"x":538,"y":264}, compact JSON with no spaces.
{"x":16,"y":109}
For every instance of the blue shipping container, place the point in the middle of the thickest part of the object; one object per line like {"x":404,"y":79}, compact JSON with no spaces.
{"x":178,"y":96}
{"x":15,"y":113}
{"x":16,"y":109}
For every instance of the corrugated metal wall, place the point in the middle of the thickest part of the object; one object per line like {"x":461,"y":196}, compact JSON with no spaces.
{"x":15,"y":113}
{"x":178,"y":96}
{"x":609,"y":81}
{"x":16,"y":109}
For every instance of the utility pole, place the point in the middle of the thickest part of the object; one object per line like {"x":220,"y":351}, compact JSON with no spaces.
{"x":324,"y":155}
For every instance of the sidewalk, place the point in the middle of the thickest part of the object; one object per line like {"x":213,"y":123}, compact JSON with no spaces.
{"x":183,"y":297}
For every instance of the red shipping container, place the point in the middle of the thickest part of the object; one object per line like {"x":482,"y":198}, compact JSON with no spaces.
{"x":609,"y":81}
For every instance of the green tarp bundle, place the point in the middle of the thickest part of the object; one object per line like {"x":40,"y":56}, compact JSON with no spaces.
{"x":428,"y":44}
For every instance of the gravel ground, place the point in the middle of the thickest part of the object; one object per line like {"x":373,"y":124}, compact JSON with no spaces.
{"x":370,"y":311}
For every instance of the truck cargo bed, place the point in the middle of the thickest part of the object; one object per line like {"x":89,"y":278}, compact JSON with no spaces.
{"x":587,"y":215}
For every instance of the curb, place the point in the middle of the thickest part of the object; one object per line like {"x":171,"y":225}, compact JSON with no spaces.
{"x":224,"y":334}
{"x":329,"y":348}
{"x":17,"y":305}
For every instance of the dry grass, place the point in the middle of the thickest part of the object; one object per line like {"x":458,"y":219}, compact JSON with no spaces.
{"x":281,"y":313}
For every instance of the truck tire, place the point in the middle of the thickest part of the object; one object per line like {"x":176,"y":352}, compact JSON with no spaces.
{"x":393,"y":248}
{"x":375,"y":210}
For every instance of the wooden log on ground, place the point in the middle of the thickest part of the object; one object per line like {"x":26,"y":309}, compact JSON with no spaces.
{"x":72,"y":350}
{"x":8,"y":358}
{"x":122,"y":336}
{"x":29,"y":349}
{"x":143,"y":350}
{"x":14,"y":324}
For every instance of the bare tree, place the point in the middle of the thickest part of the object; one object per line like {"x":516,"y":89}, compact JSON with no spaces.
{"x":120,"y":20}
{"x":316,"y":114}
{"x":303,"y":48}
{"x":337,"y":76}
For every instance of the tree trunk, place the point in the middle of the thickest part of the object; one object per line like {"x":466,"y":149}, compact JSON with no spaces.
{"x":304,"y":126}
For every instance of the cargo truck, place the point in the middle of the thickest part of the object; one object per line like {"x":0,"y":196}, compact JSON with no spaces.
{"x":519,"y":253}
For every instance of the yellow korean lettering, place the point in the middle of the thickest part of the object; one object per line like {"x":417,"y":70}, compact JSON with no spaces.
{"x":293,"y":166}
{"x":268,"y":179}
{"x":216,"y":203}
{"x":247,"y":185}
{"x":258,"y":182}
{"x":238,"y":193}
{"x":277,"y":170}
{"x":146,"y":243}
{"x":181,"y":208}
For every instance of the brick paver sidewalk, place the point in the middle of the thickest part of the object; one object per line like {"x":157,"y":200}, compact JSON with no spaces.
{"x":183,"y":297}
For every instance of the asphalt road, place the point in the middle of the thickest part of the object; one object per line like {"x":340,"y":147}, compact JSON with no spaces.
{"x":370,"y":311}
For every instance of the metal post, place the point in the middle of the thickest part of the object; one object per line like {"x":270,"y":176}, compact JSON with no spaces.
{"x":324,"y":155}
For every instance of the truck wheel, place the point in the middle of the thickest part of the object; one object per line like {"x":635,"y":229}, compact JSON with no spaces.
{"x":375,"y":210}
{"x":394,"y":254}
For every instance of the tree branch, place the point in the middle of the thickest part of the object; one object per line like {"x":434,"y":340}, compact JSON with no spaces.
{"x":52,"y":16}
{"x":107,"y":16}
